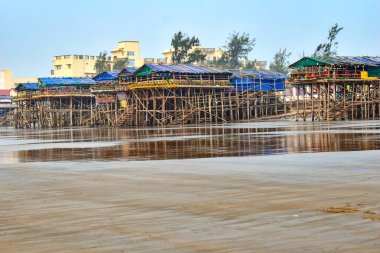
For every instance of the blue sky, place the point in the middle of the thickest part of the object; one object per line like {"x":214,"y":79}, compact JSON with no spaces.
{"x":33,"y":31}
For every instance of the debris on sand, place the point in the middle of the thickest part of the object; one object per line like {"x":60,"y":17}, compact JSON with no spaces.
{"x":368,"y":214}
{"x":342,"y":209}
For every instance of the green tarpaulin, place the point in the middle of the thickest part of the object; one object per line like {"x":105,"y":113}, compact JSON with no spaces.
{"x":310,"y":62}
{"x":373,"y":71}
{"x":145,"y":71}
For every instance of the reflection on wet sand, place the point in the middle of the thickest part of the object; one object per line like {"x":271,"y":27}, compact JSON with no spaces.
{"x":263,"y":138}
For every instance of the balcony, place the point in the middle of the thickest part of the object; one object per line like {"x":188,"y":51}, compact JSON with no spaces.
{"x":154,"y":61}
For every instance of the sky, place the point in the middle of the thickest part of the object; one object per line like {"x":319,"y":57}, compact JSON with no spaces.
{"x":33,"y":31}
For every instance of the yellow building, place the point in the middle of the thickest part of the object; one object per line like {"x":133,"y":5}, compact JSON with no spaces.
{"x":130,"y":50}
{"x":74,"y":66}
{"x":7,"y":81}
{"x":212,"y":54}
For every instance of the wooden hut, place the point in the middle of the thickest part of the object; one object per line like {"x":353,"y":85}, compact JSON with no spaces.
{"x":338,"y":87}
{"x":180,"y":75}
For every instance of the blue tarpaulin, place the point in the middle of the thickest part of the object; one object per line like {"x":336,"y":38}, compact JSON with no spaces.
{"x":258,"y":80}
{"x":176,"y":68}
{"x":106,"y":76}
{"x":65,"y":81}
{"x":27,"y":87}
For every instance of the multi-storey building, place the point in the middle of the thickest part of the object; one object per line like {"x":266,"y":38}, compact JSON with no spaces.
{"x":74,"y":65}
{"x":130,"y":50}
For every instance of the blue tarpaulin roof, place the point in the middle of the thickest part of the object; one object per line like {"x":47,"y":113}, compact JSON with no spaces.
{"x":27,"y":87}
{"x":263,"y":74}
{"x":130,"y":70}
{"x":106,"y":76}
{"x":258,"y":80}
{"x":65,"y":81}
{"x":357,"y":60}
{"x":176,"y":68}
{"x":127,"y":72}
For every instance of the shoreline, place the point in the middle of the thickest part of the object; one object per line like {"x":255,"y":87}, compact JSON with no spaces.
{"x":233,"y":204}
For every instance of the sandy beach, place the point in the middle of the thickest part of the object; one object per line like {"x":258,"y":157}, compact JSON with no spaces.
{"x":289,"y":202}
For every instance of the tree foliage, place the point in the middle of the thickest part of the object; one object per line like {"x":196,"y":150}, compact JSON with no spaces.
{"x":182,"y":45}
{"x":280,"y":61}
{"x":237,"y":48}
{"x":330,"y":48}
{"x":120,"y":64}
{"x":102,"y":64}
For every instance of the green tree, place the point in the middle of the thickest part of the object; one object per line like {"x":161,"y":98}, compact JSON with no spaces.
{"x":237,"y":48}
{"x":182,"y":45}
{"x":102,"y":63}
{"x":330,"y":48}
{"x":195,"y":56}
{"x":280,"y":61}
{"x":120,"y":64}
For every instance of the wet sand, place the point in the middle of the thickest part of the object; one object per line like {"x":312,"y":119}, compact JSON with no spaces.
{"x":260,"y":203}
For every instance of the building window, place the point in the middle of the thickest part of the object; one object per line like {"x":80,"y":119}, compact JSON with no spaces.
{"x":58,"y":67}
{"x":130,"y":53}
{"x":67,"y":57}
{"x":80,"y":57}
{"x":92,"y":57}
{"x":68,"y":66}
{"x":58,"y":57}
{"x":131,"y":62}
{"x":86,"y":57}
{"x":75,"y":56}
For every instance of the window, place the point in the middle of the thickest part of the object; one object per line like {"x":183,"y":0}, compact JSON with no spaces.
{"x":81,"y":57}
{"x":75,"y":56}
{"x":87,"y":57}
{"x":92,"y":57}
{"x":58,"y":57}
{"x":131,"y":62}
{"x":68,"y":66}
{"x":130,"y":53}
{"x":58,"y":67}
{"x":67,"y":57}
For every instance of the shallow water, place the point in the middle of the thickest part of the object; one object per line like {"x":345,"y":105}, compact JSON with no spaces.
{"x":186,"y":142}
